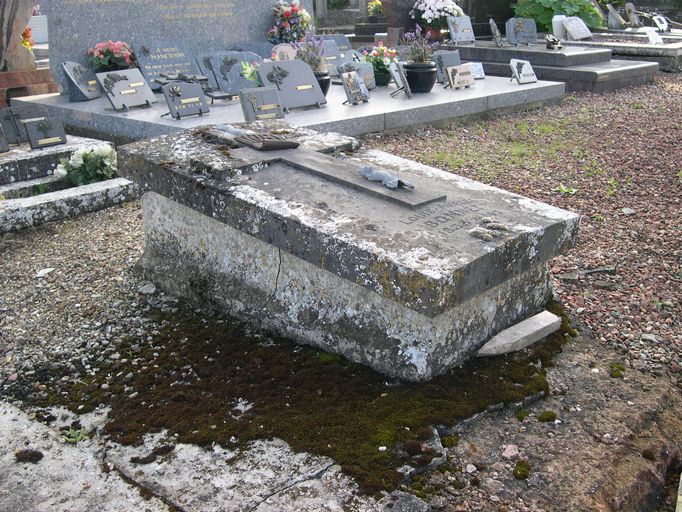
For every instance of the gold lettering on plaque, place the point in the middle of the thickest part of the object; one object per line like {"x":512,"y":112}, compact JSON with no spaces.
{"x":266,"y":116}
{"x":137,"y":84}
{"x":33,"y":120}
{"x":51,"y":140}
{"x":128,"y":91}
{"x":269,"y":106}
{"x":189,"y":100}
{"x":304,"y":87}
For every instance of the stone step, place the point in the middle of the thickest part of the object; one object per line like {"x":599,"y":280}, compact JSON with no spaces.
{"x":29,"y":188}
{"x":338,"y":29}
{"x":538,"y":55}
{"x":369,"y":29}
{"x":16,"y":214}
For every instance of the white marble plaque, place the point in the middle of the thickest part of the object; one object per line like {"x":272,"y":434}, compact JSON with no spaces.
{"x":522,"y":71}
{"x":576,"y":29}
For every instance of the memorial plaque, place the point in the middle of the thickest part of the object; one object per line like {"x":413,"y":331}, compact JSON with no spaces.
{"x":522,"y":71}
{"x":12,"y":121}
{"x":576,"y":29}
{"x":477,"y":70}
{"x":262,"y":48}
{"x":331,"y":53}
{"x":364,"y":69}
{"x":261,"y":103}
{"x":185,"y":99}
{"x":164,"y":59}
{"x":398,"y":76}
{"x":82,"y":82}
{"x":631,"y":12}
{"x":201,"y":27}
{"x":521,"y":31}
{"x":344,"y":47}
{"x":445,"y":59}
{"x":356,"y":90}
{"x":654,"y":37}
{"x":227,"y":69}
{"x":204,"y":65}
{"x":460,"y":76}
{"x":126,"y":89}
{"x":616,"y":21}
{"x":295,"y":81}
{"x":45,"y":132}
{"x":660,"y":22}
{"x":599,"y":10}
{"x":497,"y":36}
{"x":461,"y":30}
{"x":4,"y":145}
{"x":284,"y":51}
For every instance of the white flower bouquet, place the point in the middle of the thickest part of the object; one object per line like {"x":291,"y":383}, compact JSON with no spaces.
{"x":434,"y":13}
{"x":89,"y":165}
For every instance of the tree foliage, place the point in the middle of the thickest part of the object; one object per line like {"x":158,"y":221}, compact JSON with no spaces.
{"x":542,"y":11}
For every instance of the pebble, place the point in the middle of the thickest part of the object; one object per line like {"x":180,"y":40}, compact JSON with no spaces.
{"x":471,"y":469}
{"x":628,"y":211}
{"x":510,"y":452}
{"x":147,"y":289}
{"x":44,"y":273}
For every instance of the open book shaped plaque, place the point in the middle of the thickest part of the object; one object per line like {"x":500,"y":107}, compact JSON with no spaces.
{"x":126,"y":89}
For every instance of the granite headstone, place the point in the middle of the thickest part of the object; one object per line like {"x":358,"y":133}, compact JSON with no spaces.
{"x":522,"y":71}
{"x":445,"y":59}
{"x":164,"y":59}
{"x":576,"y":29}
{"x":227,"y":70}
{"x":615,"y":21}
{"x":45,"y":132}
{"x":259,"y":103}
{"x":295,"y":81}
{"x":461,"y":30}
{"x":82,"y":82}
{"x":126,"y":89}
{"x":632,"y":15}
{"x":185,"y":99}
{"x":209,"y":25}
{"x":521,"y":31}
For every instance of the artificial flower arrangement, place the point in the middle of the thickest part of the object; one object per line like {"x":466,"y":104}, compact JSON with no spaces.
{"x":89,"y":165}
{"x":434,"y":13}
{"x":292,"y":22}
{"x":250,"y":72}
{"x":381,"y":57}
{"x":27,"y":39}
{"x":374,"y":8}
{"x":111,"y":56}
{"x":311,"y":51}
{"x":419,"y":49}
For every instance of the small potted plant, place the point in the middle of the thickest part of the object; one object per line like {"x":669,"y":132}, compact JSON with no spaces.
{"x":292,"y":22}
{"x":420,"y":68}
{"x":381,"y":57}
{"x":111,"y":56}
{"x":433,"y":14}
{"x":374,"y":10}
{"x":311,"y":51}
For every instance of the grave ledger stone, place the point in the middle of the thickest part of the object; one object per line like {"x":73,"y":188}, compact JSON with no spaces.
{"x":410,"y":281}
{"x":201,"y":27}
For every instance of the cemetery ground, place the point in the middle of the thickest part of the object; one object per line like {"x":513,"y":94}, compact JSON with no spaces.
{"x":145,"y":377}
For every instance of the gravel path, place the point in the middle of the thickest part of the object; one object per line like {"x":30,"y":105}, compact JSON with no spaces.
{"x":616,"y":160}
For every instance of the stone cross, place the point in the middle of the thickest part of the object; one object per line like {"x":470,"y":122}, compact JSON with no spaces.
{"x":14,"y":18}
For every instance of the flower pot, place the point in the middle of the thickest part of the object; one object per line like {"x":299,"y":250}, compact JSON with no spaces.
{"x":373,"y":19}
{"x":421,"y":77}
{"x":324,"y":80}
{"x":382,"y":78}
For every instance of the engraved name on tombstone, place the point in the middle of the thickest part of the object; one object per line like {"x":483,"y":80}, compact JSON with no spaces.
{"x":166,"y":59}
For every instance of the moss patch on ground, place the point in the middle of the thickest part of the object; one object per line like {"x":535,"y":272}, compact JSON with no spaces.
{"x":210,"y":381}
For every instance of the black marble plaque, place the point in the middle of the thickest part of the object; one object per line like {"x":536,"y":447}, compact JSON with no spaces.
{"x":4,"y":145}
{"x":82,"y":81}
{"x":12,"y":121}
{"x":521,"y":31}
{"x":356,"y":90}
{"x":185,"y":99}
{"x":260,"y":103}
{"x":45,"y":132}
{"x":364,"y":69}
{"x":445,"y":59}
{"x":398,"y":76}
{"x":126,"y":89}
{"x":295,"y":81}
{"x":169,"y":59}
{"x":522,"y":71}
{"x":461,"y":30}
{"x":227,"y":70}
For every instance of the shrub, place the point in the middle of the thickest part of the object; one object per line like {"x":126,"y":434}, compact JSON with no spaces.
{"x":542,"y":11}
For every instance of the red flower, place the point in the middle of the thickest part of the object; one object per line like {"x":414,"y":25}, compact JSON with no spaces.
{"x":294,"y":9}
{"x":287,"y":13}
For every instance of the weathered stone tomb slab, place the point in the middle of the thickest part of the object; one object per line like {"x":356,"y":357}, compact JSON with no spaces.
{"x":409,"y":282}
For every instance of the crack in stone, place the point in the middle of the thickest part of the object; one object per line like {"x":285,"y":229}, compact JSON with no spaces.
{"x":306,"y":478}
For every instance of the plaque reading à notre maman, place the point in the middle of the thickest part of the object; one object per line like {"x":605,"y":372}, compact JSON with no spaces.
{"x":167,"y":59}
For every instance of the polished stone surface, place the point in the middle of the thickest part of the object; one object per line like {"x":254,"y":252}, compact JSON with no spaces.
{"x":96,"y":118}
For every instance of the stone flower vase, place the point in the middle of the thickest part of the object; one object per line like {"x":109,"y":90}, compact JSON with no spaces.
{"x":421,"y":76}
{"x":324,"y":80}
